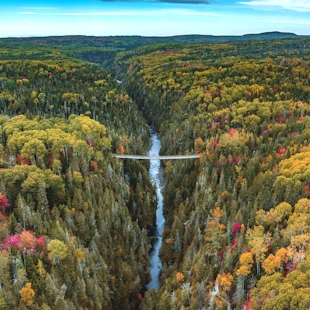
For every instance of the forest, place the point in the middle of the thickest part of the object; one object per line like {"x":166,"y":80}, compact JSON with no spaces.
{"x":76,"y":223}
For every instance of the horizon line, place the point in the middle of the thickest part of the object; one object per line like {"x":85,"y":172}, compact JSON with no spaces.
{"x":156,"y":36}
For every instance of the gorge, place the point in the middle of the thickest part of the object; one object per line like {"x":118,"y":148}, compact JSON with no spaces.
{"x":156,"y":176}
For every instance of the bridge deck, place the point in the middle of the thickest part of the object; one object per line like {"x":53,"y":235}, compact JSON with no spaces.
{"x":156,"y":157}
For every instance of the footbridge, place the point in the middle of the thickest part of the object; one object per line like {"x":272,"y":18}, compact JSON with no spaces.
{"x":164,"y":157}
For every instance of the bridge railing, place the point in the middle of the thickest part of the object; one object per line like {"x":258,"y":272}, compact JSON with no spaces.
{"x":163,"y":157}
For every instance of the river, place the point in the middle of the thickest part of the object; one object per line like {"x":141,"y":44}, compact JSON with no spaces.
{"x":156,"y":176}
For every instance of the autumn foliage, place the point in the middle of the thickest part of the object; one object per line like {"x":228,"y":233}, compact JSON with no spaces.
{"x":179,"y":277}
{"x":3,"y":202}
{"x":27,"y":294}
{"x":75,"y":224}
{"x":24,"y":242}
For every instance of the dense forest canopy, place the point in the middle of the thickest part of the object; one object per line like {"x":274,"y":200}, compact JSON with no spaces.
{"x":76,"y":223}
{"x":129,"y":42}
{"x":73,"y":223}
{"x":236,"y":230}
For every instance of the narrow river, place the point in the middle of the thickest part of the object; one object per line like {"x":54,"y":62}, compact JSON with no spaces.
{"x":156,"y":175}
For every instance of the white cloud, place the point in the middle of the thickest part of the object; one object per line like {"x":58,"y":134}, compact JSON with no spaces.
{"x":39,"y":8}
{"x":107,"y":13}
{"x":127,"y":13}
{"x":193,"y":13}
{"x":293,"y":5}
{"x":26,"y":13}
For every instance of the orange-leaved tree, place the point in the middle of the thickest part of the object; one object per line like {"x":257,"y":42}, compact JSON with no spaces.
{"x":121,"y":149}
{"x":27,"y":294}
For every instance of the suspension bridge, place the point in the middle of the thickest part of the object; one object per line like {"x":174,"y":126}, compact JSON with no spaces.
{"x":164,"y":157}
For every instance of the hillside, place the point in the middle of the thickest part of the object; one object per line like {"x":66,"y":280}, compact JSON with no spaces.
{"x":77,"y":223}
{"x":129,"y":42}
{"x":233,"y":233}
{"x":73,"y":224}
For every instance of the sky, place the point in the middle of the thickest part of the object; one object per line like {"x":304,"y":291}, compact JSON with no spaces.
{"x":23,"y":18}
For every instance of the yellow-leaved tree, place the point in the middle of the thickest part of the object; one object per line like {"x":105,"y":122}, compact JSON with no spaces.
{"x":57,"y":250}
{"x":27,"y":294}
